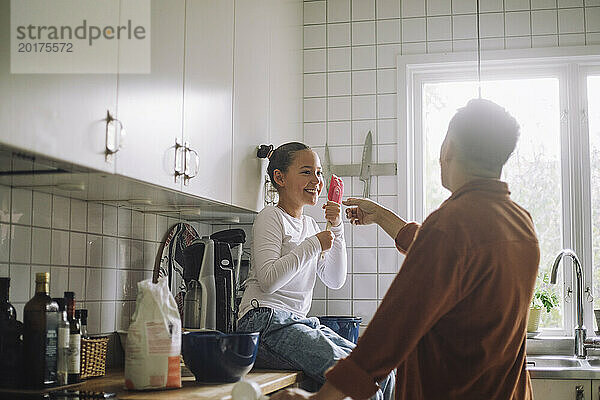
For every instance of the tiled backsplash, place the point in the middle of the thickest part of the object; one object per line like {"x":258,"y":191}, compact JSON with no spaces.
{"x":98,"y":251}
{"x":350,"y":50}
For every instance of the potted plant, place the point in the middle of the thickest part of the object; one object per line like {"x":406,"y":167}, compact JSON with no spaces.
{"x":543,"y":298}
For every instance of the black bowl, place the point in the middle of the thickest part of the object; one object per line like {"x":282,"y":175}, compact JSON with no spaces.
{"x":215,"y":357}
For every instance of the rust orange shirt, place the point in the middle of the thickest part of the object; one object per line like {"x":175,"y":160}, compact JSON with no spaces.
{"x":453,"y":321}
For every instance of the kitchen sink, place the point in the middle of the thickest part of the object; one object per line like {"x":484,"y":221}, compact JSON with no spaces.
{"x":553,"y":362}
{"x":563,"y":367}
{"x":593,"y":362}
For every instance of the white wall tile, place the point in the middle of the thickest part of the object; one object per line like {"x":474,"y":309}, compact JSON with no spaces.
{"x":150,"y":253}
{"x":364,"y":309}
{"x":544,"y":41}
{"x":338,"y":59}
{"x":339,"y":307}
{"x":4,"y":271}
{"x":364,"y":286}
{"x":592,"y":38}
{"x":124,"y":222}
{"x":94,"y":250}
{"x":363,"y":10}
{"x":516,"y":5}
{"x":109,"y":252}
{"x":109,"y":220}
{"x":440,"y":46}
{"x":94,"y":317}
{"x":518,"y":42}
{"x":314,"y":60}
{"x":363,"y":33}
{"x":150,"y":227}
{"x":360,"y":129}
{"x":386,"y":131}
{"x":109,"y":284}
{"x":20,"y":244}
{"x":363,"y":57}
{"x":93,"y":284}
{"x":387,"y":55}
{"x":439,"y":7}
{"x":77,"y":248}
{"x":20,"y":284}
{"x":518,"y":23}
{"x":59,"y":281}
{"x":387,"y":185}
{"x":21,"y":206}
{"x":339,"y":83}
{"x":492,"y":44}
{"x":5,"y":198}
{"x":315,"y":12}
{"x":464,"y":6}
{"x":389,"y":202}
{"x":338,"y":11}
{"x":388,"y":31}
{"x":386,"y":106}
{"x":338,"y":35}
{"x":412,"y":8}
{"x":315,"y":133}
{"x":315,"y":36}
{"x":107,"y":312}
{"x":137,"y":254}
{"x":386,"y":153}
{"x":60,"y":247}
{"x":464,"y":26}
{"x":363,"y":107}
{"x":78,"y":215}
{"x":384,"y":284}
{"x":345,"y":292}
{"x":466,"y":45}
{"x":320,"y":290}
{"x":490,"y":5}
{"x":61,"y":212}
{"x":315,"y":109}
{"x":315,"y":85}
{"x":387,"y":8}
{"x":414,"y":48}
{"x":364,"y":82}
{"x":137,"y":225}
{"x":491,"y":25}
{"x":338,"y":108}
{"x":42,"y":209}
{"x":122,"y":315}
{"x":571,"y":39}
{"x":570,"y":20}
{"x":366,"y":236}
{"x":364,"y":259}
{"x":318,"y":307}
{"x":40,"y":245}
{"x":544,"y":22}
{"x":413,"y":30}
{"x":542,"y":4}
{"x":386,"y":81}
{"x":339,"y":134}
{"x":592,"y":19}
{"x":387,"y":260}
{"x":123,"y":253}
{"x":94,"y":218}
{"x":569,"y":3}
{"x":77,"y":281}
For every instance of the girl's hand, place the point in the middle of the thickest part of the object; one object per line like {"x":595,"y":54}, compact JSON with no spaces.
{"x":326,"y":239}
{"x":333,"y":213}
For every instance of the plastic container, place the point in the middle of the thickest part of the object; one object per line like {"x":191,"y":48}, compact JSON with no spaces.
{"x":215,"y":357}
{"x":346,"y":327}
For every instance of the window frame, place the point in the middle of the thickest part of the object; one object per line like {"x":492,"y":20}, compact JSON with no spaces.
{"x":571,"y":65}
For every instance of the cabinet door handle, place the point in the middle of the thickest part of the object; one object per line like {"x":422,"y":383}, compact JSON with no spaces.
{"x":115,"y":136}
{"x":579,"y":393}
{"x":178,"y":167}
{"x":189,"y":152}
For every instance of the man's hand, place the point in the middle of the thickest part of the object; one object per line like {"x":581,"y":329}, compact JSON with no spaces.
{"x":364,"y":213}
{"x":333,"y":213}
{"x":293,"y":394}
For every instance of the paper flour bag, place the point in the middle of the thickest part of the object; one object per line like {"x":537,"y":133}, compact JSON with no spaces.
{"x":154,"y":339}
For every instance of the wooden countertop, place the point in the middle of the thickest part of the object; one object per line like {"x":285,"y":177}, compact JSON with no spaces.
{"x":269,"y":381}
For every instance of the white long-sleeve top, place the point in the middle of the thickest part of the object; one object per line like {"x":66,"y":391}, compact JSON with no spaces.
{"x":286,"y":259}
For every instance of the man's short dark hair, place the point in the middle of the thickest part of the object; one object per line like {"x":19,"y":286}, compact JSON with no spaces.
{"x":485,"y":134}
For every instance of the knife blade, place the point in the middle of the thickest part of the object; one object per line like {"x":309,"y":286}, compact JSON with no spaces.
{"x":327,"y":168}
{"x":365,"y":166}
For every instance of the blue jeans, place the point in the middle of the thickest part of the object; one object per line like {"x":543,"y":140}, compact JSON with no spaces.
{"x":294,"y":343}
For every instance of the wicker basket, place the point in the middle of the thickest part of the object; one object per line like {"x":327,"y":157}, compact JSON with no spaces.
{"x":93,"y":356}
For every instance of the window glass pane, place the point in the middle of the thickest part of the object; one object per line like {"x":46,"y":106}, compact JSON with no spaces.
{"x":533,"y":171}
{"x":593,"y":91}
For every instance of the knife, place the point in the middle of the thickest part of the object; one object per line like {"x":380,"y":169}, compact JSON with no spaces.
{"x":365,"y":166}
{"x":326,"y":170}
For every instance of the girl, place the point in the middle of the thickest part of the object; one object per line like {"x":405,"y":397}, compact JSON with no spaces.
{"x":286,"y":259}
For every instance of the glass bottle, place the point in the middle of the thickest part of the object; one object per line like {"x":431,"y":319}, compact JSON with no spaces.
{"x":81,"y":315}
{"x":11,"y":345}
{"x":64,"y":333}
{"x":74,"y":340}
{"x":40,"y":335}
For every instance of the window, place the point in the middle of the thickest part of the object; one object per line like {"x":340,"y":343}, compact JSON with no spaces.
{"x":547,"y":173}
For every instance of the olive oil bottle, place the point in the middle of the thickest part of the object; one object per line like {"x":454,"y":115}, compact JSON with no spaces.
{"x":40,"y":335}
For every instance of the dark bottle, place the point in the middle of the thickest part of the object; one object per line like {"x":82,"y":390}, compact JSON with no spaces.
{"x":11,"y":346}
{"x":82,"y":315}
{"x":40,"y":335}
{"x":74,"y":363}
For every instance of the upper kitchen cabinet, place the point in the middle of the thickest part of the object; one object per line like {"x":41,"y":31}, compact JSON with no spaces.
{"x":208,"y":91}
{"x":150,"y":105}
{"x":50,"y":106}
{"x":268,"y":89}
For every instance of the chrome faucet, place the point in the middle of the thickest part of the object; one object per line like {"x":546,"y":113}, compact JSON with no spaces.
{"x":581,"y":342}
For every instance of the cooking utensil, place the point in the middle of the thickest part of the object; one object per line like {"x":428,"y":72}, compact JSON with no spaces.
{"x":365,"y":166}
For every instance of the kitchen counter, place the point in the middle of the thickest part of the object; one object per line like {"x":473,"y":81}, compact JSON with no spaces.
{"x":269,"y":381}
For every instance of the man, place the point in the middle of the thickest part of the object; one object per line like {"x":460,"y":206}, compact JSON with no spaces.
{"x":453,"y":321}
